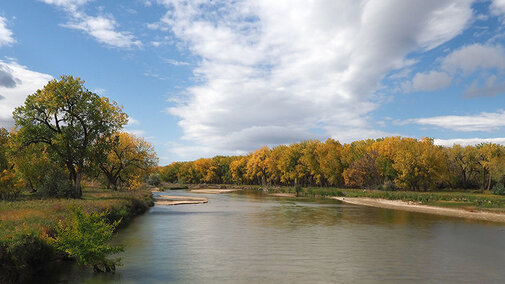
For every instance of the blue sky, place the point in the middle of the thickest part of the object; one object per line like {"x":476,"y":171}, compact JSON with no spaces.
{"x":201,"y":78}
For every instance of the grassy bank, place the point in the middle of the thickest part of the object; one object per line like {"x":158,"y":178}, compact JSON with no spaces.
{"x":27,"y":225}
{"x":456,"y":199}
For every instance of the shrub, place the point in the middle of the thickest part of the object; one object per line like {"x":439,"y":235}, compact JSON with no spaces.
{"x":498,"y":189}
{"x":21,"y":257}
{"x":389,"y":186}
{"x":298,"y":189}
{"x":85,"y":238}
{"x":154,"y":179}
{"x":55,"y":184}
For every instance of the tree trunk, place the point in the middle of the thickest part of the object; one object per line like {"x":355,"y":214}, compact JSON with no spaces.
{"x":489,"y":182}
{"x":77,"y":184}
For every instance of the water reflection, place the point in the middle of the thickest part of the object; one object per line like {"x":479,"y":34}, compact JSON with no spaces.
{"x":250,"y":238}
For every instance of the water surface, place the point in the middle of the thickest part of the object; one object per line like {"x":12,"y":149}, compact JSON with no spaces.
{"x":248,"y":238}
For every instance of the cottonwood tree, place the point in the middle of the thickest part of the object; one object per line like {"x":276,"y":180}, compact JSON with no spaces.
{"x":71,"y":120}
{"x":125,"y":160}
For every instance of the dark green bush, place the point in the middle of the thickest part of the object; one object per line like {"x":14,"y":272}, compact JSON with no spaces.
{"x":55,"y":184}
{"x":22,"y":256}
{"x":498,"y":189}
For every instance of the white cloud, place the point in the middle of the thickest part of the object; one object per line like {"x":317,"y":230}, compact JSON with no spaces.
{"x":280,"y":71}
{"x":485,"y":121}
{"x":136,"y":132}
{"x":468,"y":141}
{"x":132,"y":121}
{"x":26,"y":82}
{"x":497,"y":7}
{"x":175,"y":62}
{"x":491,"y":89}
{"x":102,"y":28}
{"x":431,"y":81}
{"x":6,"y":37}
{"x":471,"y":58}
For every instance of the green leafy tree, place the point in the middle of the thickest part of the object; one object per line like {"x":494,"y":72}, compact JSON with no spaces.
{"x":85,"y":237}
{"x":71,"y":120}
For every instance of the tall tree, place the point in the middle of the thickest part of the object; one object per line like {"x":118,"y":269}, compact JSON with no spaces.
{"x":71,"y":120}
{"x":126,"y":159}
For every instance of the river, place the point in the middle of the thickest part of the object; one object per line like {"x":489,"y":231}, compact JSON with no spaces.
{"x":250,"y":238}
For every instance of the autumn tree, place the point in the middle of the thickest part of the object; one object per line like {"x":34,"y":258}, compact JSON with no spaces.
{"x":491,"y":160}
{"x":256,"y":166}
{"x":238,"y":169}
{"x":463,"y":165}
{"x":364,"y":172}
{"x":170,"y":173}
{"x":127,"y":159}
{"x":71,"y":120}
{"x":9,"y":183}
{"x":329,"y":155}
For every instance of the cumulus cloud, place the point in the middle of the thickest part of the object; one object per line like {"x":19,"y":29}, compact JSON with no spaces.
{"x":471,"y":58}
{"x":497,"y":7}
{"x":490,"y":90}
{"x":7,"y":80}
{"x":6,"y":37}
{"x":27,"y":82}
{"x":102,"y":28}
{"x":485,"y":121}
{"x":462,"y":63}
{"x":468,"y":141}
{"x":280,"y":71}
{"x":431,"y":81}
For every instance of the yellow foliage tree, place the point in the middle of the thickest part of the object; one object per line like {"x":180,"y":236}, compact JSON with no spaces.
{"x":126,"y":161}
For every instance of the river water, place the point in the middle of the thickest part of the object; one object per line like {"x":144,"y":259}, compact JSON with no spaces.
{"x":250,"y":238}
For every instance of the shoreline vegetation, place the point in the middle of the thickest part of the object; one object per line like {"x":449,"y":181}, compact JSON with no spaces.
{"x":28,"y":226}
{"x":69,"y":144}
{"x":477,"y":206}
{"x":470,"y":178}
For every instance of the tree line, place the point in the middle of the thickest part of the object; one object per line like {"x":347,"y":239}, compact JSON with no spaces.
{"x":387,"y":163}
{"x":65,"y":133}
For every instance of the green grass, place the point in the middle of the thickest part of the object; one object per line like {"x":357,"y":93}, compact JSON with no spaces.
{"x":27,"y":224}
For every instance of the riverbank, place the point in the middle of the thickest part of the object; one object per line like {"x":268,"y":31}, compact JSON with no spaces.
{"x":27,"y":226}
{"x":416,"y":207}
{"x":179,"y":200}
{"x":480,"y":206}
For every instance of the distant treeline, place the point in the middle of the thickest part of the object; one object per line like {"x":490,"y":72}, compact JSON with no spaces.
{"x":387,"y":163}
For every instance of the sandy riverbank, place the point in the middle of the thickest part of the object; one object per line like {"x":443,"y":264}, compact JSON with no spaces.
{"x":178,"y":200}
{"x":280,"y":194}
{"x":214,"y":190}
{"x":413,"y":207}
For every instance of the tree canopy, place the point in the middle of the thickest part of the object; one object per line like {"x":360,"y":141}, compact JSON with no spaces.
{"x":71,"y":120}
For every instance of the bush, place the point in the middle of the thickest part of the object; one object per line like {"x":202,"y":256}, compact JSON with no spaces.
{"x":498,"y":189}
{"x":298,"y":189}
{"x":85,"y":238}
{"x":389,"y":186}
{"x":154,"y":179}
{"x":55,"y":184}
